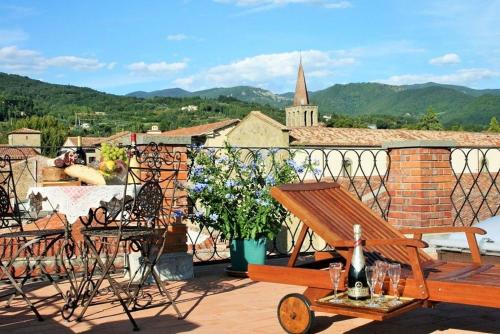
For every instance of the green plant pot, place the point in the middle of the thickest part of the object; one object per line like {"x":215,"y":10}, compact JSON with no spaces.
{"x":245,"y":251}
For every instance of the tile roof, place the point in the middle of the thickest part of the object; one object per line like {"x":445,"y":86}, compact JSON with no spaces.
{"x":18,"y":153}
{"x":116,"y":138}
{"x":25,"y":130}
{"x":86,"y":141}
{"x":351,"y":137}
{"x":200,"y":130}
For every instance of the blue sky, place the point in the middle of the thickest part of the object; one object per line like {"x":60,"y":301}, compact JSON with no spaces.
{"x":123,"y":46}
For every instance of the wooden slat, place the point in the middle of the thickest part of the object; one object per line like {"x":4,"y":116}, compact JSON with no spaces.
{"x":309,"y":186}
{"x":330,"y":212}
{"x":298,"y":245}
{"x":293,"y":276}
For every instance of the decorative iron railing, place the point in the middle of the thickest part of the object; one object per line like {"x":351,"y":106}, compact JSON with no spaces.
{"x":362,"y":171}
{"x":476,"y":193}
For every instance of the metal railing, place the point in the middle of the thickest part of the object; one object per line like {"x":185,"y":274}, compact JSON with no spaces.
{"x":476,"y":193}
{"x":362,"y":171}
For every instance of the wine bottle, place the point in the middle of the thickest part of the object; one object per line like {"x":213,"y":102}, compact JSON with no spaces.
{"x":357,"y":286}
{"x":133,"y":163}
{"x":81,"y":156}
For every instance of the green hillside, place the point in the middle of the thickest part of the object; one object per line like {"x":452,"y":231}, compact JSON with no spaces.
{"x":366,"y":103}
{"x":242,"y":93}
{"x":21,"y":97}
{"x":170,"y":92}
{"x":455,"y":105}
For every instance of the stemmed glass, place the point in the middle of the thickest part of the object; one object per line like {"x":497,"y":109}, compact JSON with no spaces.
{"x":381,"y":272}
{"x":394,"y":274}
{"x":371,"y":278}
{"x":335,"y":270}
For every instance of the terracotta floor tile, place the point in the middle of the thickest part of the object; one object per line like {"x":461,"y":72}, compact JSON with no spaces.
{"x":215,"y":303}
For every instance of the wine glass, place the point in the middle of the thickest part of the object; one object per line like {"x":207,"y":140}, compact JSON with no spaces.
{"x":335,"y":270}
{"x":382,"y":267}
{"x":371,"y":279}
{"x":395,"y":274}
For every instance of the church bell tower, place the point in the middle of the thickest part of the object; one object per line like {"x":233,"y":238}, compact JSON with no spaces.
{"x":301,"y":113}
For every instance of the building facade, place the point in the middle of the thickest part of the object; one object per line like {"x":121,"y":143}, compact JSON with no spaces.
{"x":25,"y":137}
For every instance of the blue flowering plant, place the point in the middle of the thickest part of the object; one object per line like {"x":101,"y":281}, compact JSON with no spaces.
{"x":230,"y":188}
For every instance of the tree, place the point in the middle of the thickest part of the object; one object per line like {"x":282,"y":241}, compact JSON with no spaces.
{"x":430,"y":121}
{"x":494,"y":126}
{"x":53,"y":131}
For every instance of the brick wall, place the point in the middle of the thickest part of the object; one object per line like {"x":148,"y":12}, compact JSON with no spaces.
{"x":420,"y":183}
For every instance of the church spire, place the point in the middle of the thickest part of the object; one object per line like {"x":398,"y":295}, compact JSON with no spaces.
{"x":301,"y":97}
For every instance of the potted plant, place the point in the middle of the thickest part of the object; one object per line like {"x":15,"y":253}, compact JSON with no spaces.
{"x":231,"y":190}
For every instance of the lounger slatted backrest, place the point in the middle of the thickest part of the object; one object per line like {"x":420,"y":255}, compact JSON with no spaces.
{"x":330,"y":211}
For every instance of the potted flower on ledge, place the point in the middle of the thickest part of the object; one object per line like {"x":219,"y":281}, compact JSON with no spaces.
{"x":230,"y":188}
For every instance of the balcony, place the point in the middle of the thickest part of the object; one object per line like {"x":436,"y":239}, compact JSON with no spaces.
{"x":213,"y":302}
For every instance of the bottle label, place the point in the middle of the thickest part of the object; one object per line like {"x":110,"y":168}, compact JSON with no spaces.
{"x":358,"y":290}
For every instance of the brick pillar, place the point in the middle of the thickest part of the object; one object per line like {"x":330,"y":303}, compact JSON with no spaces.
{"x":420,"y":183}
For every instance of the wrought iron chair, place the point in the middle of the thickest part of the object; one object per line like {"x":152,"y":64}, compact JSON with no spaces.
{"x":25,"y":239}
{"x":141,"y":225}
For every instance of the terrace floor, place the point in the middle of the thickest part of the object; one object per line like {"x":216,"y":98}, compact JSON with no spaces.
{"x":215,"y":303}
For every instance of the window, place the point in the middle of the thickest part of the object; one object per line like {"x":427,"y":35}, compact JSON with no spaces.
{"x":312,"y":117}
{"x":305,"y":118}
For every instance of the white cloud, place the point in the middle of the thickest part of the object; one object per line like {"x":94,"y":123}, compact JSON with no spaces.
{"x":161,"y":68}
{"x":262,"y":5}
{"x":177,"y":37}
{"x":12,"y":36}
{"x":460,"y":77}
{"x":76,"y":63}
{"x":263,"y":69}
{"x":29,"y":61}
{"x":447,"y":59}
{"x":111,"y":65}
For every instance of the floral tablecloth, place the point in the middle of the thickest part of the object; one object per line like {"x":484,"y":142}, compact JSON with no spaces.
{"x":76,"y":201}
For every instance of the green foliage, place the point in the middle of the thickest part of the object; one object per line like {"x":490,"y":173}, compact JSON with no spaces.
{"x":456,"y":105}
{"x":494,"y":126}
{"x":241,"y":93}
{"x":53,"y":132}
{"x":121,"y":112}
{"x":363,"y":121}
{"x":235,"y":194}
{"x":429,"y":121}
{"x":366,"y":103}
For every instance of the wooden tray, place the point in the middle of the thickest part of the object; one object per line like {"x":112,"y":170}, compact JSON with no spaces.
{"x":360,"y":309}
{"x":385,"y":305}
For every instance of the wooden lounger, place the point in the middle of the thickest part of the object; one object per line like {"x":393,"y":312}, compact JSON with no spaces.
{"x":330,"y":211}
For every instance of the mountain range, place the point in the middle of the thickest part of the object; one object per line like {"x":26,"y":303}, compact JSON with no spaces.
{"x":454,"y":104}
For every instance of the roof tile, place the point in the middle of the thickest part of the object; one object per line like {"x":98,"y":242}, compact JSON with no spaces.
{"x":199,"y":130}
{"x":355,"y":137}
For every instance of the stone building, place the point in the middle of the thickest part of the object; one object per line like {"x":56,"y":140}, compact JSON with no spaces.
{"x":25,"y":137}
{"x":259,"y":130}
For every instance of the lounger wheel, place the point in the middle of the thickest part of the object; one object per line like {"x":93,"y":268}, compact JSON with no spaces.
{"x":295,"y":314}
